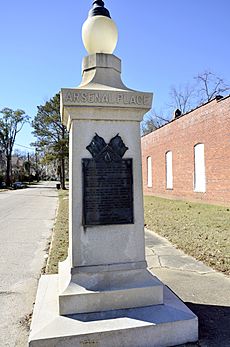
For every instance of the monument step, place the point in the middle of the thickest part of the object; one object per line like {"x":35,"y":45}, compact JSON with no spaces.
{"x":104,"y":291}
{"x":168,"y":324}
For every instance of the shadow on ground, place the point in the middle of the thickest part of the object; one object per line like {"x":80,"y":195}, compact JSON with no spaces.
{"x":214,"y":325}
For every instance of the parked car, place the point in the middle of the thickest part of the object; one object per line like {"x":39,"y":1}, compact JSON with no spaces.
{"x":18,"y":185}
{"x":2,"y":185}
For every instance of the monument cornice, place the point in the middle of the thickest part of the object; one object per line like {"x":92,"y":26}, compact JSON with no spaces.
{"x":108,"y":98}
{"x":97,"y":98}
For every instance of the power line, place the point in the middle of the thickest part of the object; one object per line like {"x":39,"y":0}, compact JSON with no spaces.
{"x":16,"y":144}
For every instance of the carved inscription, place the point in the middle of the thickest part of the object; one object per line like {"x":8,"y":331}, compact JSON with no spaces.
{"x":107,"y":192}
{"x":129,"y":99}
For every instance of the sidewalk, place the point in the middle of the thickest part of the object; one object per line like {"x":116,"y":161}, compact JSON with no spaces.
{"x":205,"y":291}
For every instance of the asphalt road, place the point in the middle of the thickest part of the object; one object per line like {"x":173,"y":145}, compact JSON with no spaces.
{"x":26,"y":221}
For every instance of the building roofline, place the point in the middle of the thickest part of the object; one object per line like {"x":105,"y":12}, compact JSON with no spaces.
{"x":217,"y":98}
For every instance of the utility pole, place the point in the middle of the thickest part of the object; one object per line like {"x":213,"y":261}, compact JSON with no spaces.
{"x":36,"y":164}
{"x":28,"y":159}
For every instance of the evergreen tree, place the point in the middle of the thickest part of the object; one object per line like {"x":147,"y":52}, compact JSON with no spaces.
{"x":52,"y":136}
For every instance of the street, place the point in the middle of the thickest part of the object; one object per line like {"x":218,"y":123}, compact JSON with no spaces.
{"x":26,"y":220}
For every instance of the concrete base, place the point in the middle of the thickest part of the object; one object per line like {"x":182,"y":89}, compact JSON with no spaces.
{"x":169,"y":324}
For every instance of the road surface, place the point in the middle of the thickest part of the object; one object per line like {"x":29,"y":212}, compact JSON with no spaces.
{"x":26,"y":221}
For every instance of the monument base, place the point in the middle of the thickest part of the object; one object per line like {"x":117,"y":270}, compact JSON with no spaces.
{"x":169,"y":324}
{"x":96,"y":291}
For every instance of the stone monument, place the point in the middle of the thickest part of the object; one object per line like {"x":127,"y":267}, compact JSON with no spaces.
{"x":104,"y":294}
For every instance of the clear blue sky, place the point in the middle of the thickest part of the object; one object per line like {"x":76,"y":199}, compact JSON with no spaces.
{"x":161,"y":43}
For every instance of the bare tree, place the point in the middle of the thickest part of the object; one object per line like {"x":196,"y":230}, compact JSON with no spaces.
{"x":185,"y":98}
{"x":11,"y":123}
{"x":210,"y":85}
{"x":151,"y":122}
{"x":182,"y":98}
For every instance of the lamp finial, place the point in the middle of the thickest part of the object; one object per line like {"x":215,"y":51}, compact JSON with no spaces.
{"x":99,"y":9}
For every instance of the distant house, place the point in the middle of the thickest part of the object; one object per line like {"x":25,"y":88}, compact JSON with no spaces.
{"x":190,"y":156}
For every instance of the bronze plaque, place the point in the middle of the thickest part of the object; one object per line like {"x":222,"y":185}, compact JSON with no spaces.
{"x":107,"y":183}
{"x":107,"y":192}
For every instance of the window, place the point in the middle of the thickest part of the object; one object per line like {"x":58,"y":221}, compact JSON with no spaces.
{"x":199,"y":169}
{"x":149,"y":172}
{"x":169,"y":171}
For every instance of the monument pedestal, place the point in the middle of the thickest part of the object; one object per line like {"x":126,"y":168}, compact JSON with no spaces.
{"x":104,"y":295}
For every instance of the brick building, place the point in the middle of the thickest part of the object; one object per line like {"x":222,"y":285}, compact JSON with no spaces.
{"x":190,"y":156}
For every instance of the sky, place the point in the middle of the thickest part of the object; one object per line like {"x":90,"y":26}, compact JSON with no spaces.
{"x":161,"y":44}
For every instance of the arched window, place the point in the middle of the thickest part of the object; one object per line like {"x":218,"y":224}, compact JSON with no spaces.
{"x":199,"y":169}
{"x":149,"y":172}
{"x":169,"y":170}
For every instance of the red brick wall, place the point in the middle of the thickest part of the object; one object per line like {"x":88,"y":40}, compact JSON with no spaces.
{"x":208,"y":124}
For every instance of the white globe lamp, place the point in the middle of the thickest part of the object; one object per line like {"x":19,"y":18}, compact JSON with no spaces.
{"x":99,"y":32}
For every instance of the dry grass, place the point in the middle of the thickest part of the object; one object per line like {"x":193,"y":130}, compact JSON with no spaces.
{"x":200,"y":230}
{"x":59,"y":244}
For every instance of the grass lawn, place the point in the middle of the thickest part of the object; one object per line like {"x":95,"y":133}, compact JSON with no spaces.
{"x":200,"y":230}
{"x":59,"y":244}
